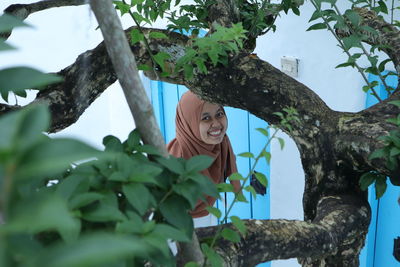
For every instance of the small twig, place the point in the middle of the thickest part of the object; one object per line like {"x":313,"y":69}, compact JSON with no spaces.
{"x":364,"y":51}
{"x":347,"y":52}
{"x":146,"y":42}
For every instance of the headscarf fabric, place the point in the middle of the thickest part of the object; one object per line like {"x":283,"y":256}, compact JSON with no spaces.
{"x":188,"y":143}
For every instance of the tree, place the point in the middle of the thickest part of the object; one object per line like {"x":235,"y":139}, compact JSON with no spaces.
{"x":335,"y":147}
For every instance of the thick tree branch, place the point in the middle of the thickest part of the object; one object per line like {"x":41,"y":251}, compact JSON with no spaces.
{"x":91,"y":74}
{"x":22,"y":11}
{"x":330,"y":236}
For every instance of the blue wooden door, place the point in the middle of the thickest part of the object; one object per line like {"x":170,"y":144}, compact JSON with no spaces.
{"x":243,"y":136}
{"x":385,"y":221}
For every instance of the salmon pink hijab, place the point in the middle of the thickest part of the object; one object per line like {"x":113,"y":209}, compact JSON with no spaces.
{"x":188,"y":143}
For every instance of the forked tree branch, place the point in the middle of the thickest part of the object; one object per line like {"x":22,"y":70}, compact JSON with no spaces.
{"x":329,"y":236}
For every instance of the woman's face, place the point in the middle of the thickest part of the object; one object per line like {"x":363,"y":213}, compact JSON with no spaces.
{"x":213,"y":124}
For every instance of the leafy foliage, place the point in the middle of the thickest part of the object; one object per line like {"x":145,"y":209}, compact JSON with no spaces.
{"x":351,"y":33}
{"x":115,"y":197}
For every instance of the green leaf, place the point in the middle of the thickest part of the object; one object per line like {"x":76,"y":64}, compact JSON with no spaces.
{"x":396,"y":103}
{"x":112,"y":144}
{"x":246,"y":155}
{"x":172,"y":164}
{"x":175,"y":211}
{"x":22,"y":129}
{"x":8,"y":22}
{"x":206,"y":185}
{"x":158,"y":35}
{"x":346,"y":64}
{"x":267,"y":156}
{"x":394,"y":151}
{"x":144,"y":67}
{"x":84,"y":199}
{"x":124,"y":8}
{"x":225,"y":187}
{"x":5,"y":46}
{"x":379,"y":153}
{"x":261,"y":178}
{"x":263,"y":131}
{"x":366,"y":180}
{"x":69,"y":185}
{"x":214,"y":211}
{"x":281,"y":142}
{"x":241,"y":198}
{"x":52,"y":156}
{"x":188,"y":71}
{"x":99,"y":249}
{"x":106,"y":210}
{"x":11,"y":79}
{"x":169,"y":232}
{"x":136,"y":36}
{"x":380,"y":186}
{"x":212,"y":257}
{"x":149,"y":150}
{"x":239,"y":224}
{"x":134,"y":225}
{"x":317,"y":26}
{"x":251,"y":189}
{"x":191,"y":264}
{"x":353,"y":17}
{"x":316,"y":15}
{"x":381,"y":66}
{"x":198,"y":163}
{"x":383,"y":7}
{"x":351,"y":41}
{"x":190,"y":190}
{"x":236,"y":177}
{"x":230,"y":235}
{"x":44,"y":213}
{"x":138,"y":196}
{"x":200,"y":65}
{"x":160,"y":58}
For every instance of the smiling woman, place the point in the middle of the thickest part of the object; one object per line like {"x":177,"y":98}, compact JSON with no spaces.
{"x":213,"y":124}
{"x":201,"y":130}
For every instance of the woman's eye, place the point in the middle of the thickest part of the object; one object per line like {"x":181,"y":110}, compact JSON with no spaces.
{"x":220,"y":114}
{"x":205,"y":118}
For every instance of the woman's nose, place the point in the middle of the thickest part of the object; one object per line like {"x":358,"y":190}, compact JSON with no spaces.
{"x":215,"y":122}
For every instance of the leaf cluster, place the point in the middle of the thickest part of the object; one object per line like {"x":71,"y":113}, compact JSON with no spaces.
{"x":214,"y":48}
{"x":350,"y":32}
{"x":117,"y":196}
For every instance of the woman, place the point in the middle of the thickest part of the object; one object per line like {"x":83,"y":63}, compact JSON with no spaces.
{"x":201,"y":130}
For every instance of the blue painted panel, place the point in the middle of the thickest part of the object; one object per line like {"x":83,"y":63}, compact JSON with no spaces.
{"x":170,"y":97}
{"x":388,"y":227}
{"x":239,"y":136}
{"x":260,"y":205}
{"x":181,"y":90}
{"x":158,"y":106}
{"x":385,"y":221}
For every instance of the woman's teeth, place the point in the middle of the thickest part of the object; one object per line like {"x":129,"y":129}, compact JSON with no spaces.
{"x":215,"y":133}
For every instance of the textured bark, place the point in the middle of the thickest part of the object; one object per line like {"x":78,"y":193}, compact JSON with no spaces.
{"x":330,"y":237}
